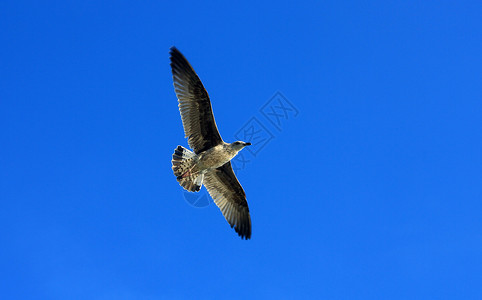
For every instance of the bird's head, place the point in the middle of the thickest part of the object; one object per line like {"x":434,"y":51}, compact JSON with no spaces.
{"x":238,"y":145}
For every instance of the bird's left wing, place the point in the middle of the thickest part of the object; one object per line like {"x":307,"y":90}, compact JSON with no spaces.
{"x":229,"y":196}
{"x":194,"y":105}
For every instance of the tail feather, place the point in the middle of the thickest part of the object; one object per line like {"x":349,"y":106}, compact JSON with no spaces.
{"x":183,"y":161}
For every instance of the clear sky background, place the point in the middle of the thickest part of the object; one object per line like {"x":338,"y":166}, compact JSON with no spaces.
{"x":370,"y":188}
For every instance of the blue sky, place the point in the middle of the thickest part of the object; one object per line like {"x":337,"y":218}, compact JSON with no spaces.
{"x":371,"y":190}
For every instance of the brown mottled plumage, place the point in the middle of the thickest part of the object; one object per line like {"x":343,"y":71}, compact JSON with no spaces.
{"x":210,"y":163}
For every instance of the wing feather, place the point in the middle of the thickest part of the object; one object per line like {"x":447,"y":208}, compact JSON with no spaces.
{"x":229,"y":196}
{"x":194,"y":105}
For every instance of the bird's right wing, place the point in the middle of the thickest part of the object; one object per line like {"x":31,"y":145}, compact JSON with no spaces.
{"x":229,"y":196}
{"x":194,"y":105}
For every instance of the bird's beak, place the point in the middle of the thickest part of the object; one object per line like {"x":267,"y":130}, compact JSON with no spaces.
{"x":247,"y":144}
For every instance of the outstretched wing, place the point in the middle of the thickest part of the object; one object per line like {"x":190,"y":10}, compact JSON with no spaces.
{"x":229,"y":196}
{"x":194,"y":105}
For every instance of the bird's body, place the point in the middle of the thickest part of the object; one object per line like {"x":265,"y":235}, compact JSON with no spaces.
{"x":210,"y":164}
{"x":199,"y":164}
{"x":216,"y":156}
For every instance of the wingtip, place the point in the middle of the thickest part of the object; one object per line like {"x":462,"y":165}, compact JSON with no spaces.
{"x":173,"y":51}
{"x":178,"y":59}
{"x":245,"y":236}
{"x":243,"y":232}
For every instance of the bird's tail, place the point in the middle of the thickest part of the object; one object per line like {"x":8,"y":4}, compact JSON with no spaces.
{"x":183,"y":161}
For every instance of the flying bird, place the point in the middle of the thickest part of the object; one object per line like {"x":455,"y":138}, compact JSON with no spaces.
{"x":209,"y":164}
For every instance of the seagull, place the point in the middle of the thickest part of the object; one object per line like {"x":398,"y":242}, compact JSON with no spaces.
{"x":209,"y":164}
